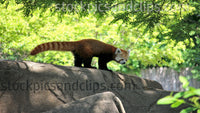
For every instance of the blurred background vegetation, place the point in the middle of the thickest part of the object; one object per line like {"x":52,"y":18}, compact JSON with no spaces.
{"x":160,"y":33}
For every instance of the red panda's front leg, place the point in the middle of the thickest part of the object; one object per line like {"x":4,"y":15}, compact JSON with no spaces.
{"x":103,"y":63}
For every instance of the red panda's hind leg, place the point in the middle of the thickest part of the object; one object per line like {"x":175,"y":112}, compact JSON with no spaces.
{"x":78,"y":61}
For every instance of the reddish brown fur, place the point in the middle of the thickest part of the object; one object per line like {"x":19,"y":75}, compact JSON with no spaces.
{"x":59,"y":46}
{"x":83,"y":50}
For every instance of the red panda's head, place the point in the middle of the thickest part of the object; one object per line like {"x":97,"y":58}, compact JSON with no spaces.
{"x":121,"y":56}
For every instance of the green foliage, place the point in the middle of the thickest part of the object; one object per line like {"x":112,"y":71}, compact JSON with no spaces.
{"x":154,"y":37}
{"x":190,"y":97}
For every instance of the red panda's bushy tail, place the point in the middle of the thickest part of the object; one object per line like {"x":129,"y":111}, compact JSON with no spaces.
{"x":59,"y":46}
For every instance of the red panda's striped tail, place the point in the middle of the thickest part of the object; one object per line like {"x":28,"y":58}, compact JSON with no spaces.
{"x":59,"y":46}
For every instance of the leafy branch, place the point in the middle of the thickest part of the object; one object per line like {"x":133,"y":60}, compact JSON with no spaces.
{"x":191,"y":98}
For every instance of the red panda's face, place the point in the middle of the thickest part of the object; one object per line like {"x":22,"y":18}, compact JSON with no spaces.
{"x":121,"y":56}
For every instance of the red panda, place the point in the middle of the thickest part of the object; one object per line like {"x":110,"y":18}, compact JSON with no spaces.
{"x":84,"y":50}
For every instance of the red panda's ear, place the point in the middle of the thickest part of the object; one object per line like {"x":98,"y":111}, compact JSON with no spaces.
{"x":117,"y":51}
{"x":129,"y":52}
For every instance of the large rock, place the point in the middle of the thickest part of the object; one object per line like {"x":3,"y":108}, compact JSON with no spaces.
{"x":30,"y":87}
{"x":105,"y":102}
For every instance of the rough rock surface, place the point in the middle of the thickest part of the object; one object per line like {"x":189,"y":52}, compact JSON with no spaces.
{"x":105,"y":102}
{"x":28,"y":87}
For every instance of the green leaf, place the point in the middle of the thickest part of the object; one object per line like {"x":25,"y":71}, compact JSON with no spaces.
{"x":177,"y":103}
{"x":189,"y":94}
{"x":166,"y":100}
{"x":188,"y":110}
{"x":198,"y":111}
{"x":179,"y":95}
{"x":195,"y":100}
{"x":192,"y":91}
{"x":184,"y":81}
{"x":197,"y":92}
{"x":192,"y":33}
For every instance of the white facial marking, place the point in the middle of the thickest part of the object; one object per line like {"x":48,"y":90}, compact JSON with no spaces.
{"x":117,"y":58}
{"x":122,"y":61}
